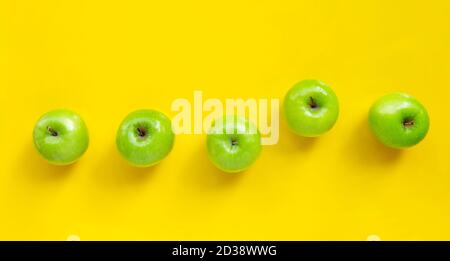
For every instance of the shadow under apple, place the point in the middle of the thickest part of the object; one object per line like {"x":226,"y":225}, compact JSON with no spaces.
{"x":202,"y":172}
{"x":288,"y":140}
{"x":114,"y":171}
{"x":366,"y":150}
{"x":37,"y":170}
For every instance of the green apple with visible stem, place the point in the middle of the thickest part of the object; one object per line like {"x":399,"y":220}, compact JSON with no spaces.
{"x":61,"y":137}
{"x":398,"y":120}
{"x":233,"y":143}
{"x":311,"y":108}
{"x":145,"y":137}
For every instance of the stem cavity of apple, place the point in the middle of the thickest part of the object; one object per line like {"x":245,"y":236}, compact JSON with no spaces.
{"x":142,"y":132}
{"x":408,"y":123}
{"x":234,"y":142}
{"x":52,"y":131}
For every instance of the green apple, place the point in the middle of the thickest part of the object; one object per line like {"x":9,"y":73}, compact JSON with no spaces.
{"x":233,"y":143}
{"x":311,"y":108}
{"x":145,"y":137}
{"x":61,"y":137}
{"x":398,"y":120}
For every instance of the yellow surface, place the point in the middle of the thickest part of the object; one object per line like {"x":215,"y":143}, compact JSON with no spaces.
{"x":104,"y":59}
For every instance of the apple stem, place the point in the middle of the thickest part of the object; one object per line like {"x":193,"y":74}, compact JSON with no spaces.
{"x":312,"y":103}
{"x":52,"y":131}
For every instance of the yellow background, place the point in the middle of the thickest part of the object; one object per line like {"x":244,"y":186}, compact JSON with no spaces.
{"x":104,"y":59}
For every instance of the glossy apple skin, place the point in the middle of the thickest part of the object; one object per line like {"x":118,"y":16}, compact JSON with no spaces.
{"x":148,"y":150}
{"x":387,"y":118}
{"x":61,"y":137}
{"x":311,"y":108}
{"x":234,"y":146}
